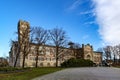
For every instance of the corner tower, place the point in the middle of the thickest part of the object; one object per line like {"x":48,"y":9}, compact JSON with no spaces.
{"x":88,"y":52}
{"x":23,"y":32}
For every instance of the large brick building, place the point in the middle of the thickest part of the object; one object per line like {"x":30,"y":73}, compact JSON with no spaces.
{"x":47,"y":55}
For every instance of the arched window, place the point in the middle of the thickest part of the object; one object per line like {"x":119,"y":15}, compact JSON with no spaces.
{"x":88,"y":57}
{"x":33,"y":64}
{"x":54,"y":64}
{"x":41,"y":64}
{"x":25,"y":64}
{"x":48,"y":64}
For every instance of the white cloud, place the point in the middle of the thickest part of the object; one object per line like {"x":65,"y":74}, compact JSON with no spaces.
{"x":86,"y":12}
{"x":75,"y":4}
{"x":108,"y":17}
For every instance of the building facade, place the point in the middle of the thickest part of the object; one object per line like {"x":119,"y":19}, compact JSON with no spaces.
{"x":46,"y":57}
{"x":3,"y":62}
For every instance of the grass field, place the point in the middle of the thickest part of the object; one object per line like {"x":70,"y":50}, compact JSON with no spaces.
{"x":27,"y":75}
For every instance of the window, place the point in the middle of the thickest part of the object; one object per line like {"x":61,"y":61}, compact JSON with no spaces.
{"x":88,"y":57}
{"x":25,"y":64}
{"x":53,"y":59}
{"x":54,"y":64}
{"x":48,"y":64}
{"x":41,"y":59}
{"x":41,"y":64}
{"x":48,"y":59}
{"x":33,"y":64}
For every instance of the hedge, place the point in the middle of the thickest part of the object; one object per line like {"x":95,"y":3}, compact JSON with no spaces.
{"x":77,"y":63}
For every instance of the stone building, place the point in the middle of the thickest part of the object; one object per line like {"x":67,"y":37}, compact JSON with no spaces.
{"x":94,"y":56}
{"x":46,"y":56}
{"x":3,"y":62}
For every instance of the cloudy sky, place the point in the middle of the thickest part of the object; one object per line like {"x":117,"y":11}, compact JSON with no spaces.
{"x":85,"y":21}
{"x":108,"y":17}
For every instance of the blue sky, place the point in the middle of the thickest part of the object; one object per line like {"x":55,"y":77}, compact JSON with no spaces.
{"x":76,"y":17}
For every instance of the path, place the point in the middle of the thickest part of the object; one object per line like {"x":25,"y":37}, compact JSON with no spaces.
{"x":95,"y":73}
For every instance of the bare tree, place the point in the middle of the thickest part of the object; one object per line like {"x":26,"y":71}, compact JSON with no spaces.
{"x":17,"y":53}
{"x":75,"y":47}
{"x":113,"y":51}
{"x":14,"y":55}
{"x":40,"y":37}
{"x":71,"y":44}
{"x":12,"y":59}
{"x":24,"y":39}
{"x":107,"y":52}
{"x":118,"y":51}
{"x":59,"y":39}
{"x":21,"y":46}
{"x":17,"y":49}
{"x":24,"y":44}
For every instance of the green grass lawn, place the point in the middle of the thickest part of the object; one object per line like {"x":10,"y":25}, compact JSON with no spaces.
{"x":28,"y":74}
{"x":116,"y":66}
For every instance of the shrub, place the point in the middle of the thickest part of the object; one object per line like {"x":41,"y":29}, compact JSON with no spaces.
{"x":3,"y":64}
{"x":77,"y":63}
{"x":12,"y":69}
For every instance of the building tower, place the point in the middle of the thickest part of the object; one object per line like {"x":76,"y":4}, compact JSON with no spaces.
{"x":23,"y":31}
{"x":88,"y":52}
{"x":23,"y":40}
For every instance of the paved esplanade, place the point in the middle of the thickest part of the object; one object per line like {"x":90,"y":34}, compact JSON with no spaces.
{"x":95,"y":73}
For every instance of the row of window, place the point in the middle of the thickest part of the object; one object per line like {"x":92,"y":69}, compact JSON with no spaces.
{"x":42,"y":59}
{"x":42,"y":64}
{"x":96,"y":59}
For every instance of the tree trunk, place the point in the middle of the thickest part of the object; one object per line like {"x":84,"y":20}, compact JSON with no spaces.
{"x":56,"y":56}
{"x":114,"y":59}
{"x":17,"y":56}
{"x":36,"y":65}
{"x":23,"y":64}
{"x":37,"y":50}
{"x":16,"y":59}
{"x":119,"y":58}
